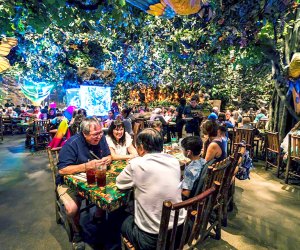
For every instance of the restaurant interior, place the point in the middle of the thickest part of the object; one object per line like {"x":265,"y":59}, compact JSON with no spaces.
{"x":138,"y":124}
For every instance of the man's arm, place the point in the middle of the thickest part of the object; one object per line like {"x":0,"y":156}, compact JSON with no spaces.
{"x":67,"y":162}
{"x":125,"y":178}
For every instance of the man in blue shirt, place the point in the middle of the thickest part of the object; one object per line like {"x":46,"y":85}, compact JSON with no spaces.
{"x":76,"y":157}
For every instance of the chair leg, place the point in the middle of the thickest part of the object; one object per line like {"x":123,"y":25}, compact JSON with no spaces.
{"x":266,"y":166}
{"x":278,"y":165}
{"x":286,"y":180}
{"x":219,"y":221}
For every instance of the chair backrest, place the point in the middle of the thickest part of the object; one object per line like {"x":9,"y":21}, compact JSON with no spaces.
{"x":294,"y":147}
{"x":217,"y":172}
{"x":261,"y":124}
{"x":204,"y":203}
{"x":42,"y":126}
{"x":243,"y":134}
{"x":53,"y":154}
{"x":273,"y":144}
{"x":199,"y":182}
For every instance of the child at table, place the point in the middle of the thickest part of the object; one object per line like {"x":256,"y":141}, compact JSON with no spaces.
{"x":192,"y":146}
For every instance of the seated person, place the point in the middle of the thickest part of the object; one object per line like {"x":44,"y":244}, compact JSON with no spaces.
{"x":229,"y":118}
{"x":261,"y":114}
{"x":157,"y":115}
{"x":77,"y":117}
{"x":236,"y":117}
{"x":192,"y":146}
{"x":155,"y":177}
{"x":125,"y":114}
{"x":213,"y":147}
{"x":223,"y":122}
{"x":120,"y":142}
{"x":110,"y":118}
{"x":157,"y":125}
{"x":51,"y":114}
{"x":223,"y":134}
{"x":54,"y":123}
{"x":75,"y":157}
{"x":36,"y":112}
{"x":11,"y":113}
{"x":246,"y":123}
{"x":284,"y":145}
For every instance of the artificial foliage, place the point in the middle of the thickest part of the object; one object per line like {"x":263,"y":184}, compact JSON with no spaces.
{"x":227,"y":55}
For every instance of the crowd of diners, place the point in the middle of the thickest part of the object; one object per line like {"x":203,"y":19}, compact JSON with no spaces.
{"x":205,"y":139}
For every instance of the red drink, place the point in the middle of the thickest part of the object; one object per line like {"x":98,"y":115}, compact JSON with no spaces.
{"x":101,"y":177}
{"x":90,"y":176}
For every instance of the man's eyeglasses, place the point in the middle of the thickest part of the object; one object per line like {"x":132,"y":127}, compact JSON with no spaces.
{"x":97,"y":134}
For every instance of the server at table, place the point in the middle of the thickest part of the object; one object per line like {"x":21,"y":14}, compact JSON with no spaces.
{"x":76,"y":157}
{"x":155,"y":177}
{"x":193,"y":111}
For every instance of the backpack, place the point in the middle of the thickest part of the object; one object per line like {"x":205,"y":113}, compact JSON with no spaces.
{"x":245,"y":167}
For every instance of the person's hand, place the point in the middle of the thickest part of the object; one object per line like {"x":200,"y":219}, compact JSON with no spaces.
{"x":106,"y":160}
{"x":92,"y":164}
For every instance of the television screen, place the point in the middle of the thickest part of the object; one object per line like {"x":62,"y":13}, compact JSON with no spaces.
{"x":95,"y":100}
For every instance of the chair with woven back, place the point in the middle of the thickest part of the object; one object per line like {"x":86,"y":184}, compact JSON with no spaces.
{"x":273,"y":148}
{"x":293,"y":155}
{"x":195,"y":223}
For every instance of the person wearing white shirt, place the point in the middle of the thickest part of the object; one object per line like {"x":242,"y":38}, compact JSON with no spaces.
{"x":155,"y":177}
{"x":120,"y":142}
{"x":11,"y":113}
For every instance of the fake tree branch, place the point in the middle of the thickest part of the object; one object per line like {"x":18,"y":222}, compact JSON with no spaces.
{"x":281,"y":95}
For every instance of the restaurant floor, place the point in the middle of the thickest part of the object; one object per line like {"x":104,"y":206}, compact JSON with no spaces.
{"x":266,"y":216}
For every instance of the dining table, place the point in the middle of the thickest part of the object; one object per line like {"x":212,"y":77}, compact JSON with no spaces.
{"x":109,"y":197}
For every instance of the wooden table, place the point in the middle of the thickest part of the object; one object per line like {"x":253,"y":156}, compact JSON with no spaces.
{"x":108,"y":198}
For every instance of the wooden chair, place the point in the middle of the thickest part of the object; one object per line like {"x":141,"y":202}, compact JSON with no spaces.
{"x":293,"y":155}
{"x":8,"y":125}
{"x":60,"y":216}
{"x":198,"y":185}
{"x":228,"y":196}
{"x":198,"y":218}
{"x":40,"y":133}
{"x":223,"y":173}
{"x":246,"y":135}
{"x":261,"y":124}
{"x":273,"y":147}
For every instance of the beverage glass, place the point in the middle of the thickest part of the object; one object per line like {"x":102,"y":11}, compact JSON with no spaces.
{"x":101,"y":175}
{"x":91,"y":176}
